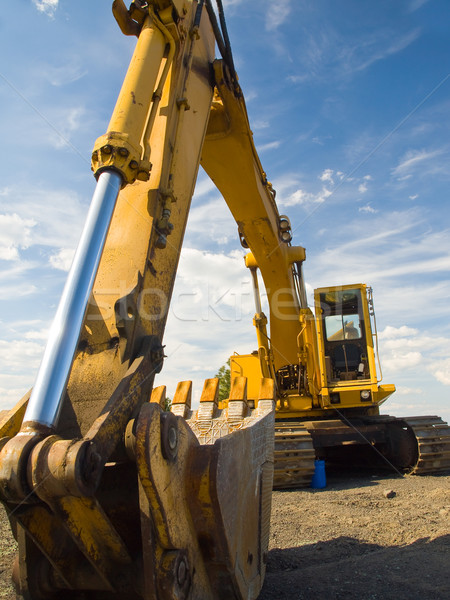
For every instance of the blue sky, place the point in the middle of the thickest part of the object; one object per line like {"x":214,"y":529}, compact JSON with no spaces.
{"x":349,"y":105}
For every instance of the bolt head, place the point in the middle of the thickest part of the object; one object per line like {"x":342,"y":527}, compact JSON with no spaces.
{"x":161,"y":242}
{"x":173,"y":438}
{"x":143,"y":176}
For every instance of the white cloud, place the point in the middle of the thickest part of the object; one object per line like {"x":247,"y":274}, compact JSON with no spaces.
{"x":300,"y":197}
{"x":65,"y":121}
{"x":49,"y":217}
{"x":442,"y":371}
{"x":413,"y":159}
{"x":13,"y":387}
{"x":327,"y":175}
{"x":403,"y":390}
{"x":277,"y":14}
{"x":393,"y":333}
{"x":21,"y":352}
{"x":291,"y":189}
{"x":413,"y":348}
{"x":62,"y":259}
{"x":15,"y":353}
{"x":367,"y":209}
{"x":259,"y":124}
{"x":251,"y":95}
{"x":15,"y":280}
{"x":68,"y":73}
{"x":399,"y":224}
{"x":46,"y":6}
{"x":415,"y":405}
{"x":204,"y":185}
{"x":211,"y":282}
{"x":325,"y":52}
{"x":404,"y":348}
{"x":269,"y":146}
{"x":17,"y":290}
{"x":15,"y":234}
{"x":362,"y":188}
{"x":419,"y":341}
{"x":377,"y":51}
{"x":8,"y":253}
{"x":320,"y":140}
{"x":298,"y":78}
{"x":231,"y":3}
{"x":38,"y":334}
{"x":9,"y":396}
{"x":219,"y":231}
{"x":405,"y":263}
{"x":400,"y":361}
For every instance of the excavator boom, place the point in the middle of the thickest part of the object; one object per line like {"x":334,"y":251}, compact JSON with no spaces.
{"x":108,"y":494}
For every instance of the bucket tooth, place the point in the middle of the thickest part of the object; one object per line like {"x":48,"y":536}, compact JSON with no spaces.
{"x":181,"y":403}
{"x":159,"y":396}
{"x":266,"y":395}
{"x":209,"y":400}
{"x":237,"y":402}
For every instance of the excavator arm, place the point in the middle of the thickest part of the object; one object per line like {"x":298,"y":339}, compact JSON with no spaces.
{"x":251,"y":199}
{"x":108,"y":495}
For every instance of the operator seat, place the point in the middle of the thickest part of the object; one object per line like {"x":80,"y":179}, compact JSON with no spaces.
{"x":353,"y":356}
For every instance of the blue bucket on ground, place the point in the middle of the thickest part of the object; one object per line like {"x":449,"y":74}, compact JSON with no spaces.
{"x":319,"y":479}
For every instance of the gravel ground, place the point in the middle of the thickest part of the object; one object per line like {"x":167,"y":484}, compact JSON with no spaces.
{"x":352,"y":540}
{"x":347,"y":541}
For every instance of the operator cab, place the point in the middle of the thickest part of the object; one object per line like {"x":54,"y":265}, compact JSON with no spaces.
{"x":344,"y":332}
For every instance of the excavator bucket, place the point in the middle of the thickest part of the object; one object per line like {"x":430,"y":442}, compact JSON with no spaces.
{"x":179,"y":511}
{"x":214,"y":506}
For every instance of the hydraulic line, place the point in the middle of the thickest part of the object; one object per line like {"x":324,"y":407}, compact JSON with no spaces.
{"x":221,"y":35}
{"x":223,"y":25}
{"x":216,"y":29}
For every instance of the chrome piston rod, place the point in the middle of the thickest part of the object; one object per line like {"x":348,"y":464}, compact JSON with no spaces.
{"x":46,"y":398}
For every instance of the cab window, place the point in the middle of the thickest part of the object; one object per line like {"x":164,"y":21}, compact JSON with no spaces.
{"x":342,"y":327}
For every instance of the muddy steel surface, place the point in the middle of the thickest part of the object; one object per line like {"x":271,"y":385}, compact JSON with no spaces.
{"x":348,"y":541}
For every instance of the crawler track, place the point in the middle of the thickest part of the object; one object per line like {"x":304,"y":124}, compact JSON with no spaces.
{"x":294,"y":456}
{"x":433,"y":440}
{"x":415,"y":445}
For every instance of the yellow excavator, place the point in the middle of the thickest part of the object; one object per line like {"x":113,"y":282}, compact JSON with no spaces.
{"x":109,"y":495}
{"x":328,"y":394}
